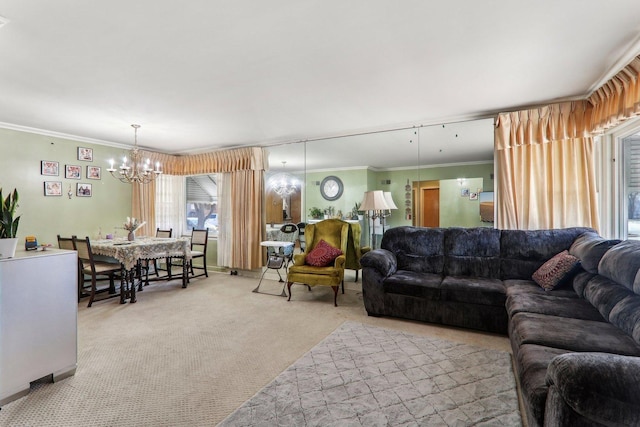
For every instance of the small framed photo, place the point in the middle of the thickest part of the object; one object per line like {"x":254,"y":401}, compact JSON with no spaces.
{"x":53,"y":188}
{"x":48,"y":167}
{"x":83,"y":190}
{"x":85,"y":154}
{"x":464,"y":192}
{"x":72,"y":171}
{"x":473,"y":196}
{"x":94,"y":172}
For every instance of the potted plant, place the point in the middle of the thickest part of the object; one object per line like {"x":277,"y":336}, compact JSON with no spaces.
{"x":8,"y":224}
{"x":355,"y":211}
{"x":315,"y":213}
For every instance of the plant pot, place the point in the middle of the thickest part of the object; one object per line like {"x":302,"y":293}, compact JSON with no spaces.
{"x":131,"y":236}
{"x":8,"y":247}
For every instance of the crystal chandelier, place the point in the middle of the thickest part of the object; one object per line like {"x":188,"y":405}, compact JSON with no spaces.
{"x":283,"y":184}
{"x":135,"y":170}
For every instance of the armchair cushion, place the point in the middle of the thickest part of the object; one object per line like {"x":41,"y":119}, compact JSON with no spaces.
{"x":322,"y":255}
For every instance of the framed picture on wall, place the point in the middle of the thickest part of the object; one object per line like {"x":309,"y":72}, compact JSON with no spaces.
{"x":94,"y":172}
{"x":48,"y":167}
{"x":464,"y":192}
{"x":72,"y":171}
{"x":85,"y":154}
{"x":53,"y":188}
{"x":83,"y":190}
{"x":473,"y":196}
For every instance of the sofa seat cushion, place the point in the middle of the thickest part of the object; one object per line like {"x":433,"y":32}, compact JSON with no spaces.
{"x":474,"y":290}
{"x":411,"y":283}
{"x":575,"y":308}
{"x":531,"y":362}
{"x":571,"y":334}
{"x":529,"y":287}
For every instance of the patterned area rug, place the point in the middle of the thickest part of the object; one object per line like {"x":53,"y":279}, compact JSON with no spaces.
{"x":368,"y":376}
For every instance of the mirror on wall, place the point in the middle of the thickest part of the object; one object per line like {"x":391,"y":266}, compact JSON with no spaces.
{"x":420,"y":168}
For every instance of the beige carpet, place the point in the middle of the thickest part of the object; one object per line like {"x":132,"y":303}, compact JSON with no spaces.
{"x":190,"y":357}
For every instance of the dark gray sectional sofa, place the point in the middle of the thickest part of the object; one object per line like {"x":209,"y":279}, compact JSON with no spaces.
{"x":576,"y":348}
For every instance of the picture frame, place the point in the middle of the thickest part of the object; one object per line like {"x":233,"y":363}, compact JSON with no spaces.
{"x":94,"y":172}
{"x":473,"y":196}
{"x":85,"y":154}
{"x":50,"y":168}
{"x":53,"y":188}
{"x":464,"y":192}
{"x":72,"y":171}
{"x":84,"y":190}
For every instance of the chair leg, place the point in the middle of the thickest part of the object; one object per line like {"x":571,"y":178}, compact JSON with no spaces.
{"x":289,"y":289}
{"x":93,"y":291}
{"x":342,"y":286}
{"x":335,"y":294}
{"x":357,"y":271}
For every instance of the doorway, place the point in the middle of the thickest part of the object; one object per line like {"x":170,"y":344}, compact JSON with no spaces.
{"x":427,"y":205}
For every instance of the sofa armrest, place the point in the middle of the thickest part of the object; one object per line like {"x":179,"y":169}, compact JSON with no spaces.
{"x":382,"y":260}
{"x":600,"y":387}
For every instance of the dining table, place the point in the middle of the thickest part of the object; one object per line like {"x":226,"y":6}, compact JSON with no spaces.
{"x":130,"y":254}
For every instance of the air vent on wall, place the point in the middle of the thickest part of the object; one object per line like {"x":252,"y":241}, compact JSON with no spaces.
{"x":385,"y":182}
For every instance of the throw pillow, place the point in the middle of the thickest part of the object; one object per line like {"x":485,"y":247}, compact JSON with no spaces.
{"x":556,"y":270}
{"x":322,"y":255}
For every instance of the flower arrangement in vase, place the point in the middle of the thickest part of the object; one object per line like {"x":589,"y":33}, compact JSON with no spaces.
{"x":131,"y":225}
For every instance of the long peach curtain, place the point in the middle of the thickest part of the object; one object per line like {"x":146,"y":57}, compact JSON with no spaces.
{"x":244,"y":167}
{"x":545,"y":166}
{"x":143,"y":207}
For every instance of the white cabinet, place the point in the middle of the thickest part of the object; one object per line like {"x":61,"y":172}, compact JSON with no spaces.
{"x":38,"y":319}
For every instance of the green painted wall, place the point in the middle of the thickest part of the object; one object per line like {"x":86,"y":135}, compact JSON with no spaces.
{"x":46,"y":217}
{"x":453,"y":212}
{"x":456,"y":210}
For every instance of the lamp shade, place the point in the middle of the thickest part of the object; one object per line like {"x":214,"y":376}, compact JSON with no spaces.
{"x":374,"y":201}
{"x":389,"y":200}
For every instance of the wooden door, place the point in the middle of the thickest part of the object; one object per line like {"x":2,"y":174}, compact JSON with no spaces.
{"x":430,"y":207}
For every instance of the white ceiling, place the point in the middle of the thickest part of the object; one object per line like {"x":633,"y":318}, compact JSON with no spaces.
{"x":209,"y":74}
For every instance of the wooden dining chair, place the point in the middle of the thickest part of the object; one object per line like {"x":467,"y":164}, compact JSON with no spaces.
{"x":67,"y":244}
{"x":163,"y":234}
{"x":199,"y":239}
{"x":94,"y":268}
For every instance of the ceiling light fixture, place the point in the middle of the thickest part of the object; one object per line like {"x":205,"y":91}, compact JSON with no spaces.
{"x":135,"y":170}
{"x":283,"y":184}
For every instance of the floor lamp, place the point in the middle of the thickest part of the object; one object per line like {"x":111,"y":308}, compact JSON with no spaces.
{"x":392,"y":206}
{"x":374,"y":205}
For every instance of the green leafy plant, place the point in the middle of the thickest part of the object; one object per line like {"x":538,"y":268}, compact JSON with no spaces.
{"x":315,"y":212}
{"x":8,"y":221}
{"x":355,"y":211}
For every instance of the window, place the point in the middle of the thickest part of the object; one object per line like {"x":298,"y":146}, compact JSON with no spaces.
{"x":202,"y":203}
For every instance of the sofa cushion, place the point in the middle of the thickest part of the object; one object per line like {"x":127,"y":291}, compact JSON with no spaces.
{"x":474,"y":290}
{"x":531,"y":362}
{"x":411,"y":283}
{"x":416,"y":248}
{"x":523,"y":251}
{"x":571,"y":334}
{"x":556,"y":271}
{"x":552,"y":305}
{"x":322,"y":255}
{"x":626,"y":316}
{"x":580,"y":281}
{"x":620,"y":264}
{"x":516,"y":286}
{"x":589,"y":247}
{"x":604,"y":294}
{"x":472,"y":252}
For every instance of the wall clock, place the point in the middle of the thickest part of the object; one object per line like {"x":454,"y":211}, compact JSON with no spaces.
{"x":331,"y":188}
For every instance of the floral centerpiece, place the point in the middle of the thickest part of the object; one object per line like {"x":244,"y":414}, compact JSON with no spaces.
{"x":131,"y":225}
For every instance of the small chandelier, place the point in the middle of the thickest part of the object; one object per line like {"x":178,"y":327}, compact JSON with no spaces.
{"x":283,"y":184}
{"x":135,"y":170}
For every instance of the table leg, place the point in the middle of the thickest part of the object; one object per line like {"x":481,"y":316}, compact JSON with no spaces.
{"x":132,"y":292}
{"x":123,"y":285}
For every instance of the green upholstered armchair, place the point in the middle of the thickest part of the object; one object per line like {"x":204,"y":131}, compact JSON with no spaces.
{"x":333,"y":231}
{"x":354,"y":250}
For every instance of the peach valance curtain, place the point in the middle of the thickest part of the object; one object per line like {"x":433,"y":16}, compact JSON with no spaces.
{"x":618,"y":99}
{"x":545,"y":167}
{"x":245,"y":168}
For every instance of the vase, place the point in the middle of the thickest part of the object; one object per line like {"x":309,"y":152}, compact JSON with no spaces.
{"x":8,"y":247}
{"x":131,"y":236}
